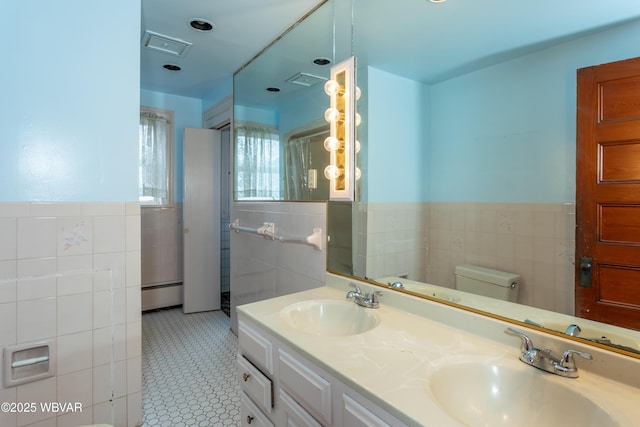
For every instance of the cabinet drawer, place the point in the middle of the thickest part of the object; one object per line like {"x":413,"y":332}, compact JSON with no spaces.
{"x":255,"y":384}
{"x":308,"y":388}
{"x":294,"y":414}
{"x":255,"y":347}
{"x":250,"y":415}
{"x":356,"y":415}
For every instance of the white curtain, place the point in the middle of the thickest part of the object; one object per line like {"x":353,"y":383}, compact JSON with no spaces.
{"x":257,"y":162}
{"x":153,"y":173}
{"x":296,"y":168}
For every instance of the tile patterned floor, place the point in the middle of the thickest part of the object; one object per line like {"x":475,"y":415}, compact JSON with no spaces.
{"x":188,"y":370}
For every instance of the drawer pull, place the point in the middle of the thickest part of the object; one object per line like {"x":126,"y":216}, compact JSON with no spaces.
{"x":245,"y":376}
{"x":249,"y":419}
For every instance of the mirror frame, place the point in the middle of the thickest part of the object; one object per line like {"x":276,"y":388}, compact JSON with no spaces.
{"x":510,"y":320}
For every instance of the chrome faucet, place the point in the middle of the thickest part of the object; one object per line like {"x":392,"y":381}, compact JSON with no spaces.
{"x":542,"y":359}
{"x":366,"y":300}
{"x":573,"y":330}
{"x":396,"y":285}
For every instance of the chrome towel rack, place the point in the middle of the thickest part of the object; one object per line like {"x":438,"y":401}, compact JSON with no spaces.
{"x":268,"y":231}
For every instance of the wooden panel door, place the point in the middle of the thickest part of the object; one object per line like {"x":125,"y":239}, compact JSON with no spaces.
{"x":608,"y":193}
{"x":201,"y":220}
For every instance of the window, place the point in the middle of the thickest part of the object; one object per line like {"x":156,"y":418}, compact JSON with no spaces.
{"x":257,"y":162}
{"x":155,"y":157}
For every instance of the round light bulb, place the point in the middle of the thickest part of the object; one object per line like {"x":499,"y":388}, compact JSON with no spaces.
{"x":331,"y":172}
{"x":358,"y":174}
{"x":357,"y":146}
{"x":331,"y":87}
{"x":358,"y":93}
{"x":331,"y":143}
{"x":331,"y":115}
{"x":358,"y":119}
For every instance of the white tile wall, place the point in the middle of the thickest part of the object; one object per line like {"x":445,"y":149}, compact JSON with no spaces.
{"x":427,"y":240}
{"x":393,"y":239}
{"x":71,"y":272}
{"x":162,"y":244}
{"x":262,"y":268}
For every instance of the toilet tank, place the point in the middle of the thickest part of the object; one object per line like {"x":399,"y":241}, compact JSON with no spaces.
{"x":487,"y":282}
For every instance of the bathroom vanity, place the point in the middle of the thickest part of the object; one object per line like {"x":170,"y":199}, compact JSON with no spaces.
{"x":282,"y":387}
{"x":315,"y":358}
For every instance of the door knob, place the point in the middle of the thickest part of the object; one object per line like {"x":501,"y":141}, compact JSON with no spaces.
{"x":586,"y":264}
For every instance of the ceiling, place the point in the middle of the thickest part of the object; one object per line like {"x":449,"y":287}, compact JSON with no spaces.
{"x":242,"y":28}
{"x":431,"y":42}
{"x":417,"y":39}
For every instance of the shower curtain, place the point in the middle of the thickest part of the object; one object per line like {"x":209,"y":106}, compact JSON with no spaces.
{"x":296,"y":169}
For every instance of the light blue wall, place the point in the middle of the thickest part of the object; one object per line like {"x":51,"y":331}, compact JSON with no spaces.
{"x":397,"y":122}
{"x":507,"y":133}
{"x":221,"y":90}
{"x":187,"y":113}
{"x":69,"y":100}
{"x":242,"y":113}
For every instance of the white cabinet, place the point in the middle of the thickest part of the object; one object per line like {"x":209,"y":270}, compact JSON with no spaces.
{"x":356,"y":415}
{"x":255,"y":384}
{"x":255,"y":346}
{"x":310,"y":389}
{"x":293,"y":391}
{"x":251,"y":416}
{"x":254,"y":362}
{"x":294,"y":414}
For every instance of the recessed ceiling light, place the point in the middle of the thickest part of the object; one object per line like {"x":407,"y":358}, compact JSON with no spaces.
{"x":322,"y":61}
{"x":437,"y":1}
{"x":171,"y":67}
{"x":200,"y":24}
{"x":273,"y":89}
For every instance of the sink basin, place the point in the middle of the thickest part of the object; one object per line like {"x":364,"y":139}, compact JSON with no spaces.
{"x":478,"y":394}
{"x":330,"y":317}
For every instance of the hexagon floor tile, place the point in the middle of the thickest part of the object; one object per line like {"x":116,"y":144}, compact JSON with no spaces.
{"x":189,"y":370}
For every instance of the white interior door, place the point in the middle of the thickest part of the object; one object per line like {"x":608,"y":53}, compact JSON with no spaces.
{"x":201,"y":220}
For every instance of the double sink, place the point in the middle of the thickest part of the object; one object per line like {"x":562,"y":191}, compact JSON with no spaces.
{"x":475,"y":393}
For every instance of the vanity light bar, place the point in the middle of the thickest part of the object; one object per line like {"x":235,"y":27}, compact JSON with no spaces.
{"x":341,"y":142}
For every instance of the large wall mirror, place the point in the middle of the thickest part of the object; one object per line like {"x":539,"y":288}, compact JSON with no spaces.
{"x":468,"y":141}
{"x":279,"y":125}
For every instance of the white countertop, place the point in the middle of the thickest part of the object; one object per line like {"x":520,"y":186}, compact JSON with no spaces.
{"x":391,"y":364}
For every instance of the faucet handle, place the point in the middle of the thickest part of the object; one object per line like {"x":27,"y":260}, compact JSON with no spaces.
{"x":375,"y":295}
{"x":568,"y":361}
{"x":355,"y":292}
{"x":527,"y":345}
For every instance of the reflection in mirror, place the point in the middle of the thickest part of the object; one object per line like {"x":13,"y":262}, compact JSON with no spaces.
{"x":279,"y":103}
{"x":279,"y":127}
{"x":468,"y":143}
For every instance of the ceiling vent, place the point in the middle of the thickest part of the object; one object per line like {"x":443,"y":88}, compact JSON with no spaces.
{"x":304,"y":79}
{"x":165,"y":44}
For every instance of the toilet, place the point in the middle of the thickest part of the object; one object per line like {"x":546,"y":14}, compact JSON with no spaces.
{"x":487,"y":282}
